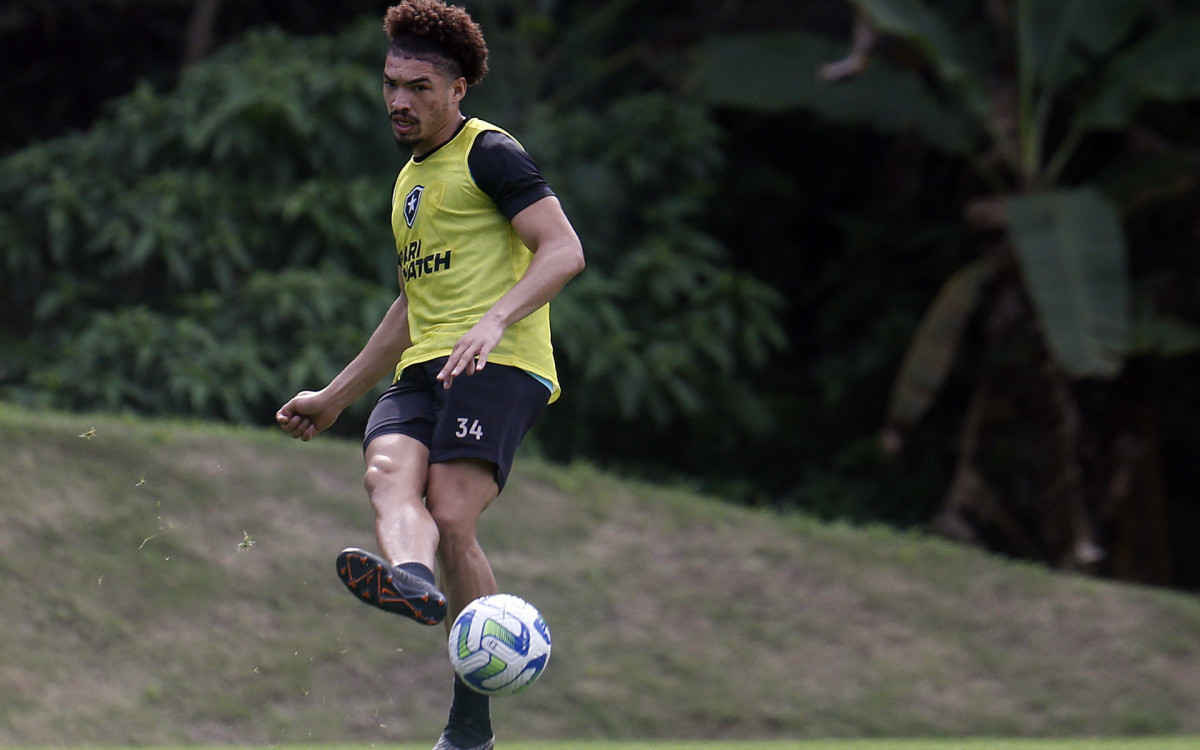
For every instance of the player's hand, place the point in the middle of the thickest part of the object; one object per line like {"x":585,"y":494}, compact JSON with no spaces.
{"x":471,"y":352}
{"x":306,"y":414}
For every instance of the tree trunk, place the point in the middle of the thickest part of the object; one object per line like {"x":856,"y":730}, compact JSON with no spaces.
{"x":198,"y":38}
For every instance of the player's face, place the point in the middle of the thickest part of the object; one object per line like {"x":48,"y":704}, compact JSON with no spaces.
{"x":422,"y":102}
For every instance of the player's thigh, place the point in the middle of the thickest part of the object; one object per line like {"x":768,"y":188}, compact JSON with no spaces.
{"x":407,"y":407}
{"x":397,"y":438}
{"x":485,"y":416}
{"x":459,"y":491}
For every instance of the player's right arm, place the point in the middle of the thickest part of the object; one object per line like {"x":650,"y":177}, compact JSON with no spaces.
{"x":310,"y":412}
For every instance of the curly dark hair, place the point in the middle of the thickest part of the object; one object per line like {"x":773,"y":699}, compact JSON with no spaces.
{"x":445,"y":35}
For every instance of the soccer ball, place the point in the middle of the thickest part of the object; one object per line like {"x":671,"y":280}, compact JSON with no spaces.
{"x":499,"y":644}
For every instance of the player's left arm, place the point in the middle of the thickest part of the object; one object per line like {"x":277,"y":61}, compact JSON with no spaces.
{"x":557,"y":257}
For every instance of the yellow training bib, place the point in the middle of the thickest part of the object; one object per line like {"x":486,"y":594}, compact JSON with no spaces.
{"x":458,"y":255}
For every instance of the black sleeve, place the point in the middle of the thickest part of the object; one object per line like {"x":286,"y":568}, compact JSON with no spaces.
{"x":502,"y":169}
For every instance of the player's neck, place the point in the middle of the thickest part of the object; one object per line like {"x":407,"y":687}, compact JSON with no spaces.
{"x":444,"y":135}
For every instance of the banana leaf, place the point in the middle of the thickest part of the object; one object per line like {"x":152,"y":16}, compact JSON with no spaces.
{"x":729,"y":71}
{"x":1163,"y":66}
{"x":917,"y":23}
{"x":1067,"y":38}
{"x":1072,"y":257}
{"x":935,"y":344}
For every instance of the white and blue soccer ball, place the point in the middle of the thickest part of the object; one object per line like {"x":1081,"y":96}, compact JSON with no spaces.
{"x":499,"y":644}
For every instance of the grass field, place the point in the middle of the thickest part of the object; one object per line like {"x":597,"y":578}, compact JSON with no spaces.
{"x":1091,"y":743}
{"x":192,"y":603}
{"x":1156,"y":743}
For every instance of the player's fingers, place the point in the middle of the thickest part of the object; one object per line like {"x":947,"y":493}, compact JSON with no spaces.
{"x":456,"y":363}
{"x":298,"y":427}
{"x":447,"y":370}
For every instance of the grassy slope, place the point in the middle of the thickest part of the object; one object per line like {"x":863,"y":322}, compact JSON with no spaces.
{"x":924,"y":743}
{"x":135,"y":612}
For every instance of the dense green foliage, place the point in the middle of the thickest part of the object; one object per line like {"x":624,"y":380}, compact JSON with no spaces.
{"x":1045,"y":317}
{"x":210,"y":250}
{"x":202,"y":251}
{"x":661,"y":331}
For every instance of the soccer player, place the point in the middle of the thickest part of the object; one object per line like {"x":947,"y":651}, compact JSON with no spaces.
{"x":483,"y":246}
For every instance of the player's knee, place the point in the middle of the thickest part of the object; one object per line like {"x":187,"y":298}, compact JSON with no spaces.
{"x":453,"y":522}
{"x":382,"y":474}
{"x":458,"y":493}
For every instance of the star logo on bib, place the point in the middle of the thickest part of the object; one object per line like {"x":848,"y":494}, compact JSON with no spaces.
{"x":411,"y":203}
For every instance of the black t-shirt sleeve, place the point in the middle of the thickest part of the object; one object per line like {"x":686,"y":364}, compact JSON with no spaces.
{"x":503,"y":170}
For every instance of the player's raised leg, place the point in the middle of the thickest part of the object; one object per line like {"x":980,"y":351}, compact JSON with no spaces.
{"x":402,"y":579}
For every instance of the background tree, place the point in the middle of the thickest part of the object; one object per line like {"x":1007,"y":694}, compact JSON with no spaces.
{"x":1046,"y":464}
{"x":218,"y":246}
{"x":65,"y":60}
{"x":764,"y":243}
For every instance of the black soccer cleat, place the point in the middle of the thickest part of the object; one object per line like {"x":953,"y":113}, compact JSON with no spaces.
{"x":444,"y":743}
{"x":375,"y":582}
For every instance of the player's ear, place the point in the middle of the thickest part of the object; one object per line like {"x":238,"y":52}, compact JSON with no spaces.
{"x":458,"y":89}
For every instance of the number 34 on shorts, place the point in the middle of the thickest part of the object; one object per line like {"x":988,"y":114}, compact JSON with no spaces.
{"x":468,"y":427}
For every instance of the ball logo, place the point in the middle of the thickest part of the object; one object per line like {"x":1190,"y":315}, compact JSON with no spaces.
{"x":411,"y":203}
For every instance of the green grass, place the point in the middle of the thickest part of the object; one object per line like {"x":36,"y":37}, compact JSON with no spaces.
{"x":1174,"y":743}
{"x":1091,"y":743}
{"x":674,"y":616}
{"x":1181,"y":743}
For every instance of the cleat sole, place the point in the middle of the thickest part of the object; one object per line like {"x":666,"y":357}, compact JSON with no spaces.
{"x":369,"y":577}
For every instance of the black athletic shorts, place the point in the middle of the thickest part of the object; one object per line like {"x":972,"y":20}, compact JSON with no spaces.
{"x":484,"y":415}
